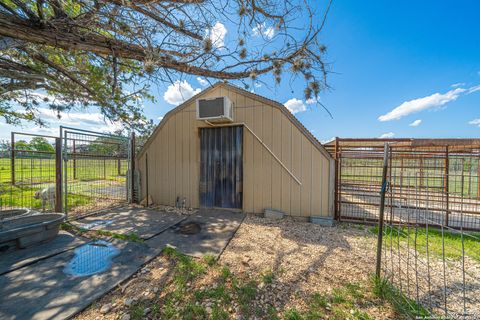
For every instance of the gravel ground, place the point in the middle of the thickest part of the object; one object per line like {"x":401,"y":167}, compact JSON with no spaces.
{"x":437,"y":286}
{"x":302,"y":257}
{"x":306,"y":258}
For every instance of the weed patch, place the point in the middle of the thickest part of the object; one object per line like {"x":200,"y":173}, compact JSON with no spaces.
{"x":404,"y":306}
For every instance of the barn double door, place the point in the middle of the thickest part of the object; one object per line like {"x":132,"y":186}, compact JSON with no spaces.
{"x":221,"y":167}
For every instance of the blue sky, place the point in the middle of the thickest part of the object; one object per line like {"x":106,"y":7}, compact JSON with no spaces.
{"x":421,"y":58}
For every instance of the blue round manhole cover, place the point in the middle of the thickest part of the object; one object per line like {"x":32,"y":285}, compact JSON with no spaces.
{"x":91,"y":258}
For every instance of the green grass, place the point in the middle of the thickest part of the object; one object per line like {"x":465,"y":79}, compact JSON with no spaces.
{"x":354,"y":170}
{"x":132,"y":236}
{"x":268,"y":277}
{"x":32,"y":175}
{"x":30,"y":170}
{"x":342,"y":303}
{"x":405,"y":307}
{"x":23,"y":196}
{"x":450,"y":246}
{"x":192,"y":283}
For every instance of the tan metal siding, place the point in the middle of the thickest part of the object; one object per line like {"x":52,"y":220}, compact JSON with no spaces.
{"x":248,"y":174}
{"x":174,"y":160}
{"x":277,"y":200}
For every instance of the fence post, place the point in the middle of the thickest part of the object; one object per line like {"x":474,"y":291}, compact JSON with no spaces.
{"x":446,"y":178}
{"x":132,"y":168}
{"x":74,"y":161}
{"x":119,"y":163}
{"x":58,"y":175}
{"x":12,"y":158}
{"x":382,"y":211}
{"x":337,"y":181}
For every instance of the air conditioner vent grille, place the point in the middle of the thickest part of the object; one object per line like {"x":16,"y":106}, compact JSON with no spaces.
{"x":215,"y":110}
{"x":211,"y":108}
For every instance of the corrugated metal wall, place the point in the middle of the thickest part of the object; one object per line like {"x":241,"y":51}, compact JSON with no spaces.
{"x":174,"y":160}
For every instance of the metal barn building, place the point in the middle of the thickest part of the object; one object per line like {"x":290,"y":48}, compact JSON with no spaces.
{"x":230,"y":148}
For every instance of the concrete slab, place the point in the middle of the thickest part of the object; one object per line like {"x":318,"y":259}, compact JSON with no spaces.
{"x":44,"y":291}
{"x":12,"y":260}
{"x":144,"y":222}
{"x":217,"y":227}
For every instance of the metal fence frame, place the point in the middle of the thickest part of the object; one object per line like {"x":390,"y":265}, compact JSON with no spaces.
{"x":453,"y":165}
{"x":58,"y":172}
{"x":424,"y":197}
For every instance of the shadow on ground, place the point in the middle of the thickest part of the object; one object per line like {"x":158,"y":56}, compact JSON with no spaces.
{"x":39,"y":288}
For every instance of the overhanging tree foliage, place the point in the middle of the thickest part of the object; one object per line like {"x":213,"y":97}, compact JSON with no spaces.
{"x":108,"y":52}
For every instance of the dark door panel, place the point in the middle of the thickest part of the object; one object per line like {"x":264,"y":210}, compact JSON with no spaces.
{"x":221,"y":167}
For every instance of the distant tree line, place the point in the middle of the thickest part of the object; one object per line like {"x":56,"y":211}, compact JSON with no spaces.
{"x":22,"y":148}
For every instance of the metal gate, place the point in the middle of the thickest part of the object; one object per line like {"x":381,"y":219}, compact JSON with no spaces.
{"x":95,"y":169}
{"x":30,"y":169}
{"x":437,"y":177}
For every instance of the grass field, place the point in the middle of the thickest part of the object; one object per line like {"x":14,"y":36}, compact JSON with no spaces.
{"x":43,"y":170}
{"x":89,"y":181}
{"x":450,"y":246}
{"x":411,"y":175}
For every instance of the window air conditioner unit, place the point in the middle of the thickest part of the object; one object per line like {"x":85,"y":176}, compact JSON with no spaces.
{"x":219,"y":109}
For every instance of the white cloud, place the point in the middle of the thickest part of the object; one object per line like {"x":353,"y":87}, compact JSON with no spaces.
{"x":473,"y":89}
{"x":415,"y":123}
{"x":203,"y":82}
{"x":475,"y":122}
{"x":263,"y":30}
{"x":387,"y":135}
{"x":217,"y":34}
{"x":295,"y":105}
{"x":73,"y":118}
{"x":327,"y":140}
{"x":179,"y":92}
{"x":88,"y":120}
{"x":433,"y":101}
{"x":160,"y":119}
{"x":459,"y":84}
{"x":311,"y":101}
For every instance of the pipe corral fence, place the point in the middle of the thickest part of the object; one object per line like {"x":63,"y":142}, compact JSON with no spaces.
{"x":439,"y":177}
{"x":78,"y":172}
{"x":428,"y":239}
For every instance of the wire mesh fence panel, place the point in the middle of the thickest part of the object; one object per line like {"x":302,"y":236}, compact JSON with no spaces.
{"x":448,"y":179}
{"x":28,"y":173}
{"x":360,"y":183}
{"x":95,"y":171}
{"x":434,"y":266}
{"x":430,"y":249}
